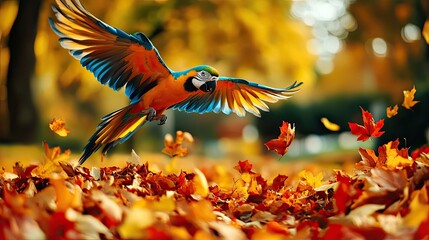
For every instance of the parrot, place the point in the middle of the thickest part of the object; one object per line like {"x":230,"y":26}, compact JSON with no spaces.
{"x":131,"y":61}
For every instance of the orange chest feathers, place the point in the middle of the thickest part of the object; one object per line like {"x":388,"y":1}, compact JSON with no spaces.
{"x":166,"y":93}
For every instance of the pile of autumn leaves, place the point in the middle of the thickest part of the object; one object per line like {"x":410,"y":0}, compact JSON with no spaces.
{"x":385,"y":196}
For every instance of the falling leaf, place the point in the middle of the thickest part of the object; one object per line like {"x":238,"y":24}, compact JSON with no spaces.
{"x":175,"y":148}
{"x":329,"y":125}
{"x":409,"y":98}
{"x":426,"y":31}
{"x":392,"y":111}
{"x":58,"y":127}
{"x":369,"y":128}
{"x":282,"y":143}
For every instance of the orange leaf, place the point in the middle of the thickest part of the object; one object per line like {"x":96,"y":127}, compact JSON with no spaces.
{"x":329,"y":125}
{"x":409,"y":98}
{"x":369,"y":160}
{"x":426,"y":31}
{"x":175,"y":148}
{"x":282,"y":143}
{"x":392,"y":111}
{"x":369,"y":128}
{"x":58,"y":127}
{"x":244,"y":167}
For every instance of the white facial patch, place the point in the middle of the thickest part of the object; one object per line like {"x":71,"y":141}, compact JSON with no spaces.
{"x":197,"y":83}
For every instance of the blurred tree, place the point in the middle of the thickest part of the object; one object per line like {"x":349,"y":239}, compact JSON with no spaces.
{"x":23,"y":115}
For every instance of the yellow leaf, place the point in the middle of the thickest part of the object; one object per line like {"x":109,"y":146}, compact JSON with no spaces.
{"x":66,"y":197}
{"x":394,"y":159}
{"x":329,"y":125}
{"x":135,"y":222}
{"x":203,"y":210}
{"x":51,"y":165}
{"x":201,"y":185}
{"x":426,"y":31}
{"x":392,"y":111}
{"x":164,"y":204}
{"x":58,"y":127}
{"x":175,"y":148}
{"x":409,"y":98}
{"x":310,"y":179}
{"x":419,"y":207}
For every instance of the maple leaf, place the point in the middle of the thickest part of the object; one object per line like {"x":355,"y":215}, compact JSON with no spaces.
{"x":175,"y":148}
{"x":244,"y":167}
{"x":369,"y":128}
{"x":330,"y":125}
{"x":282,"y":143}
{"x":409,"y":98}
{"x":392,"y":111}
{"x":394,"y":156}
{"x":312,"y":180}
{"x":58,"y":126}
{"x":51,"y":164}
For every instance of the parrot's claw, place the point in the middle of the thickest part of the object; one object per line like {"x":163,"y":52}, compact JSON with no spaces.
{"x":162,"y":119}
{"x":151,"y":116}
{"x":150,"y":113}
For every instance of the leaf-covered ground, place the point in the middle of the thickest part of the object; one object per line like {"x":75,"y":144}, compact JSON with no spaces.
{"x":385,"y":196}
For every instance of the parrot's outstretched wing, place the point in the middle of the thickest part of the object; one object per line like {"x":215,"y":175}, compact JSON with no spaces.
{"x":237,"y":96}
{"x":114,"y":57}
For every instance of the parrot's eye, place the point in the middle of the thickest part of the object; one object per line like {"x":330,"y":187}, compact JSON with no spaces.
{"x":204,"y":76}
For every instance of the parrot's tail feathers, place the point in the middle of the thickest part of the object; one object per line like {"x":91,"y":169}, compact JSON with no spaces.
{"x":115,"y":128}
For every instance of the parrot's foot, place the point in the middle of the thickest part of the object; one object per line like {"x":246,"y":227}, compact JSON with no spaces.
{"x":150,"y":113}
{"x":162,"y":119}
{"x":151,"y":116}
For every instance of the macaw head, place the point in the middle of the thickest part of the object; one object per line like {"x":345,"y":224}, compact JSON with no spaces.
{"x":203,"y":78}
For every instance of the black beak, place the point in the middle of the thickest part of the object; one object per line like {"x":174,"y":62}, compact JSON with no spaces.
{"x":208,"y":86}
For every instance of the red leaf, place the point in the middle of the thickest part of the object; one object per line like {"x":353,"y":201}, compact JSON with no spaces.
{"x":282,"y":143}
{"x":369,"y":128}
{"x":244,"y":166}
{"x":416,"y":153}
{"x":342,"y":195}
{"x":279,"y":182}
{"x":423,"y":230}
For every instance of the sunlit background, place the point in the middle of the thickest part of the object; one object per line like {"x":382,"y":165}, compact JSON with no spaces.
{"x":347,"y":53}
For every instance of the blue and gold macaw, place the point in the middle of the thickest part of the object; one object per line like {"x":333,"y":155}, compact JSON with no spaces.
{"x":118,"y":59}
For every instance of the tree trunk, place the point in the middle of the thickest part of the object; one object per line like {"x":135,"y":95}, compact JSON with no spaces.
{"x":23,"y":117}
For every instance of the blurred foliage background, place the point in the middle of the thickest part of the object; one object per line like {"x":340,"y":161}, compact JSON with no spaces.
{"x":347,"y":53}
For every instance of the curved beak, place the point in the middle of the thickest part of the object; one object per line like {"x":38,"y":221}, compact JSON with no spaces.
{"x":208,"y":86}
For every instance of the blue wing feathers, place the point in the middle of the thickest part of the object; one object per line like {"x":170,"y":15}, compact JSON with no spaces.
{"x":236,"y":95}
{"x":105,"y":50}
